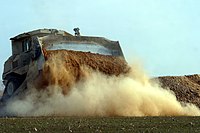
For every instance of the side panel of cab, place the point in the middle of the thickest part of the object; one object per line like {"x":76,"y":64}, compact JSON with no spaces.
{"x":17,"y":64}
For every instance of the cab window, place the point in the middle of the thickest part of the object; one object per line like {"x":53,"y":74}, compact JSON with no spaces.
{"x":26,"y":45}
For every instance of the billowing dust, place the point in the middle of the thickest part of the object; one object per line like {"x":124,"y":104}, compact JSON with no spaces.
{"x":71,"y":88}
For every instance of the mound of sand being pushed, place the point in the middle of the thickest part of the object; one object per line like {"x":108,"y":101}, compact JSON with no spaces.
{"x":73,"y":64}
{"x":186,"y":88}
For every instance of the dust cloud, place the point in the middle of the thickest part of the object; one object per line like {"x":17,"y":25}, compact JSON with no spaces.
{"x":97,"y":94}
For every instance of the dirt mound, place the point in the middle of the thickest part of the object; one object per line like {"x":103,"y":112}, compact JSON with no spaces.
{"x":66,"y":67}
{"x":104,"y":63}
{"x":186,"y":88}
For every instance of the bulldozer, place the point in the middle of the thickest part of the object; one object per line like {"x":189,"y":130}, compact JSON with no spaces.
{"x":31,"y":50}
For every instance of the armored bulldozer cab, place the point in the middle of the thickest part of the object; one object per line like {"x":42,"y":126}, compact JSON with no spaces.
{"x":27,"y":50}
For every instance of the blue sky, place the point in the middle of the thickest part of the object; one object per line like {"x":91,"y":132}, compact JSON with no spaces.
{"x":163,"y":34}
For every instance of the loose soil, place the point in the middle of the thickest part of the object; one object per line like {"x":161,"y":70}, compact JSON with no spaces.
{"x":107,"y":64}
{"x":67,"y":67}
{"x":186,"y":88}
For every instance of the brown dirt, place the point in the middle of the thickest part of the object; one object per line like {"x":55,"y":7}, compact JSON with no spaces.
{"x":104,"y":63}
{"x":186,"y":88}
{"x":72,"y":66}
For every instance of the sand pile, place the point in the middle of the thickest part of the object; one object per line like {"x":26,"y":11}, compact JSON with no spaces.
{"x":186,"y":88}
{"x":104,"y":63}
{"x":72,"y":67}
